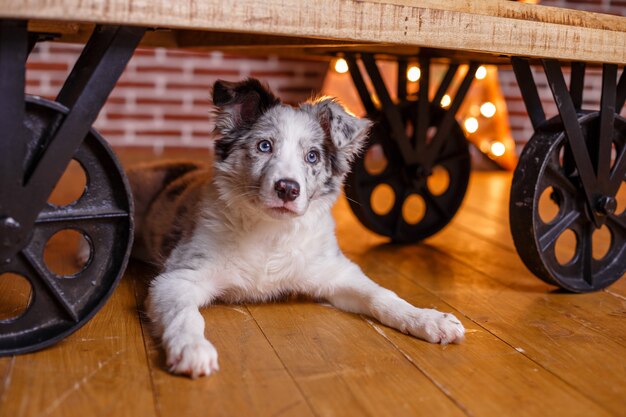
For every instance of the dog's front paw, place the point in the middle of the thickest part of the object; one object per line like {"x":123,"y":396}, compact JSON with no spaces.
{"x":434,"y":326}
{"x":196,"y":358}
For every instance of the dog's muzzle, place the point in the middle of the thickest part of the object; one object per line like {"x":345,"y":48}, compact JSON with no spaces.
{"x":287,"y":190}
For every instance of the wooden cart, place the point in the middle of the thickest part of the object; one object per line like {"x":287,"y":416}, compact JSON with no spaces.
{"x":570,"y":154}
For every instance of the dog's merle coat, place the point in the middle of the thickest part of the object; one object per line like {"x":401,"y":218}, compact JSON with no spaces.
{"x":258,"y":225}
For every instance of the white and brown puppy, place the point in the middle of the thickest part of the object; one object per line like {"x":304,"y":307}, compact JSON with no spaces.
{"x":259,"y":226}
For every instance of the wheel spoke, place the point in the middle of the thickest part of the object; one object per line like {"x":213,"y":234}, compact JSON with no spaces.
{"x":621,"y":92}
{"x":607,"y":117}
{"x":448,"y":120}
{"x":577,"y":83}
{"x":619,"y":172}
{"x":401,"y":87}
{"x":396,"y":212}
{"x":13,"y":49}
{"x":445,"y":83}
{"x":572,"y":128}
{"x":360,"y":85}
{"x":81,"y":215}
{"x":554,"y":177}
{"x":586,"y":253}
{"x":431,"y":200}
{"x":528,"y":88}
{"x":49,"y":281}
{"x":422,"y":121}
{"x":391,"y":111}
{"x":552,"y":233}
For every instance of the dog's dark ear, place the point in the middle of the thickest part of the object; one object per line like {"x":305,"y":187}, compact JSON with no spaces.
{"x":345,"y":132}
{"x":239,"y":105}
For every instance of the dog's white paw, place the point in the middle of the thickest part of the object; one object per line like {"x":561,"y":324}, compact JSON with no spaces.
{"x":196,"y":358}
{"x":434,"y":326}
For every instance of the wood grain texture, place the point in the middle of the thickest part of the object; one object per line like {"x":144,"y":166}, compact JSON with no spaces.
{"x":495,"y":28}
{"x":344,"y":367}
{"x":98,"y":371}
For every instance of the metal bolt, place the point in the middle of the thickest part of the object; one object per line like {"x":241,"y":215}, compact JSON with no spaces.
{"x":10,"y":231}
{"x":606,"y":205}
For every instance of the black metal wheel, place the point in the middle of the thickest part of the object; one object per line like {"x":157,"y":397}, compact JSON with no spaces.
{"x":553,"y":228}
{"x":413,"y":175}
{"x":567,"y":199}
{"x":419,"y":201}
{"x":61,"y":302}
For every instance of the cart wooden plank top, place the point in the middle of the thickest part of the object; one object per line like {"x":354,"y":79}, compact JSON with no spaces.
{"x":492,"y":27}
{"x":576,"y":159}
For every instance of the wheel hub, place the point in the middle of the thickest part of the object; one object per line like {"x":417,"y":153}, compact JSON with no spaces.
{"x":606,"y":205}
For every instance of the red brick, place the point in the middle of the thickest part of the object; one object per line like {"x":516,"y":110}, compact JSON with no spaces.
{"x":158,"y":69}
{"x":215,"y":71}
{"x":177,"y":53}
{"x":197,"y":134}
{"x":157,"y":132}
{"x":186,"y":117}
{"x":57,"y":48}
{"x":116,"y":100}
{"x":158,"y":101}
{"x":269,"y":74}
{"x":188,"y":86}
{"x":145,"y":52}
{"x":135,"y":84}
{"x":47,"y":66}
{"x":129,"y":116}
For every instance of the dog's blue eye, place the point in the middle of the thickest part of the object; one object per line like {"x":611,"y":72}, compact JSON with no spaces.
{"x":265,"y":146}
{"x":312,"y":157}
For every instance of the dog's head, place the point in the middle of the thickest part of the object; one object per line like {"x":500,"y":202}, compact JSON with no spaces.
{"x":279,"y":159}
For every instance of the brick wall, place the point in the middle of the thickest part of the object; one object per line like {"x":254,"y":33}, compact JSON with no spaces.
{"x":162,"y":99}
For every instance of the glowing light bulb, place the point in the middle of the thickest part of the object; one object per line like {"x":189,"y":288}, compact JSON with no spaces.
{"x":488,"y":109}
{"x":471,"y":125}
{"x":341,"y":66}
{"x":413,"y":74}
{"x":481,"y":72}
{"x":445,"y":101}
{"x":498,"y":148}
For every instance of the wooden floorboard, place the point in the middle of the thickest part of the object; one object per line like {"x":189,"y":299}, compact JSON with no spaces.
{"x":530,"y":350}
{"x":512,"y":313}
{"x":344,"y":367}
{"x":98,"y":371}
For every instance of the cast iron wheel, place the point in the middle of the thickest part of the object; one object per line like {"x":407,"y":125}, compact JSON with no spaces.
{"x":546,"y":172}
{"x":423,"y":201}
{"x":60,"y":303}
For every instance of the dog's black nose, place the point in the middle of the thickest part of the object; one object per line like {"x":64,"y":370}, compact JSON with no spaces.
{"x":287,"y":190}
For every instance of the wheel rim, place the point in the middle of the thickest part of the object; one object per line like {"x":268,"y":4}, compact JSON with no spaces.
{"x":422,"y":205}
{"x":560,"y":248}
{"x":61,"y":304}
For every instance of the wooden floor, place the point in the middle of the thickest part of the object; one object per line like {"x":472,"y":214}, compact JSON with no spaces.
{"x":529,"y":350}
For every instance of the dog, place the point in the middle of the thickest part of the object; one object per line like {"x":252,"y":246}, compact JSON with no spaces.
{"x":258,"y":225}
